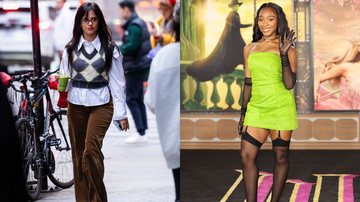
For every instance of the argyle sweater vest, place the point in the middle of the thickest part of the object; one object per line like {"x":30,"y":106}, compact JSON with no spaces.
{"x":88,"y":70}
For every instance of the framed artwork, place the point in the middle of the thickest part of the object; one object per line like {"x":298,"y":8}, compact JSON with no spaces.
{"x":336,"y":55}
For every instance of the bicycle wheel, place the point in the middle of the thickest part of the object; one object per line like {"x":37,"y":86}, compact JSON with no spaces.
{"x":32,"y":171}
{"x":62,"y":172}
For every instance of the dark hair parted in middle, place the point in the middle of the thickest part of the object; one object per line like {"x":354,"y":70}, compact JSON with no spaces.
{"x":282,"y":24}
{"x":103,"y":31}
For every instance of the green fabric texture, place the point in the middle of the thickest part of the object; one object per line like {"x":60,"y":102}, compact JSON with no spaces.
{"x":271,"y":105}
{"x":133,"y":41}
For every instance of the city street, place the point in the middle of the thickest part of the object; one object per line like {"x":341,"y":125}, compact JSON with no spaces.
{"x":133,"y":173}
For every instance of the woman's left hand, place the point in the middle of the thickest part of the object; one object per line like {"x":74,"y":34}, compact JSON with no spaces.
{"x":124,"y":124}
{"x":286,"y":41}
{"x":241,"y":124}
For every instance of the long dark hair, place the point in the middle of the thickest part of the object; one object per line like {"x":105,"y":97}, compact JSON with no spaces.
{"x":282,"y":24}
{"x":103,"y":32}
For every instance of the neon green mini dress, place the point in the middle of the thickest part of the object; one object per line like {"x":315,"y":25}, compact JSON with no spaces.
{"x":271,"y":105}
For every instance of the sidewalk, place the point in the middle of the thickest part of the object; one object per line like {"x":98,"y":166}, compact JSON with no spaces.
{"x":133,"y":173}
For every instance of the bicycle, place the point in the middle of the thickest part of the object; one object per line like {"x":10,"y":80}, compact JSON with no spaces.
{"x":46,"y":152}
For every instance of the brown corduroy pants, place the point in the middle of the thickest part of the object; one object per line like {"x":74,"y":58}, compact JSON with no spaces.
{"x":87,"y":128}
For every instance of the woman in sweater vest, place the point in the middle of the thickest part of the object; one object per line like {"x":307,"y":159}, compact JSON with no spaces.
{"x":96,"y":95}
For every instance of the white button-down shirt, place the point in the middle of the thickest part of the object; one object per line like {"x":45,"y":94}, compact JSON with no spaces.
{"x":163,"y":98}
{"x":99,"y":96}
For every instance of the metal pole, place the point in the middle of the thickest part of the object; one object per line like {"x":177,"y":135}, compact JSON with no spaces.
{"x":35,"y":36}
{"x":35,"y":30}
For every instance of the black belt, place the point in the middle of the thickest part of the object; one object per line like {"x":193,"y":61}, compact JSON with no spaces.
{"x":89,"y":85}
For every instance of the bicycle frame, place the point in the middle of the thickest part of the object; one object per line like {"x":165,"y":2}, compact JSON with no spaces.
{"x":31,"y":116}
{"x":51,"y":114}
{"x":35,"y":117}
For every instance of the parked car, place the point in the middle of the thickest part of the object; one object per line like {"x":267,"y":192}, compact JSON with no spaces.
{"x":16,"y":36}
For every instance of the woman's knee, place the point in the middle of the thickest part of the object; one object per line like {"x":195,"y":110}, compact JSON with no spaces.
{"x":281,"y":156}
{"x":247,"y":156}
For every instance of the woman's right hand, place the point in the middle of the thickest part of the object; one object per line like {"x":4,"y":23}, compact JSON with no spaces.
{"x":241,"y":125}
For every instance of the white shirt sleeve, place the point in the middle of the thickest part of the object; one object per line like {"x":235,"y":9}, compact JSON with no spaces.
{"x":117,"y":86}
{"x":64,"y":68}
{"x":64,"y":65}
{"x":150,"y":95}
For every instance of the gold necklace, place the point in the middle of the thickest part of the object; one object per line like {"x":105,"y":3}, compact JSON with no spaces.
{"x":268,"y":39}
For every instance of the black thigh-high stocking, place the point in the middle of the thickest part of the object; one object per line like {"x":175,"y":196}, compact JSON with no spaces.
{"x":249,"y":152}
{"x":281,"y":167}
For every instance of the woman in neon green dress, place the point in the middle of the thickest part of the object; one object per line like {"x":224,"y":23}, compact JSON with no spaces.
{"x":268,"y":106}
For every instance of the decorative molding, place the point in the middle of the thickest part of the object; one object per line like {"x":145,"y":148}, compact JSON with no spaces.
{"x":228,"y":139}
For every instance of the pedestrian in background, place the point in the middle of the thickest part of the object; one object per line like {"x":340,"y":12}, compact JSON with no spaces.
{"x":165,"y":35}
{"x":135,"y":47}
{"x":163,"y":98}
{"x":96,"y":95}
{"x":63,"y":26}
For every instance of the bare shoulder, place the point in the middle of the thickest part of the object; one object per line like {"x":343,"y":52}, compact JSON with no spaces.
{"x":248,"y":47}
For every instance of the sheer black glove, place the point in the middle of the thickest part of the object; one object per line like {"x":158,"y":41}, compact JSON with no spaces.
{"x":246,"y":99}
{"x":241,"y":123}
{"x":288,"y":77}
